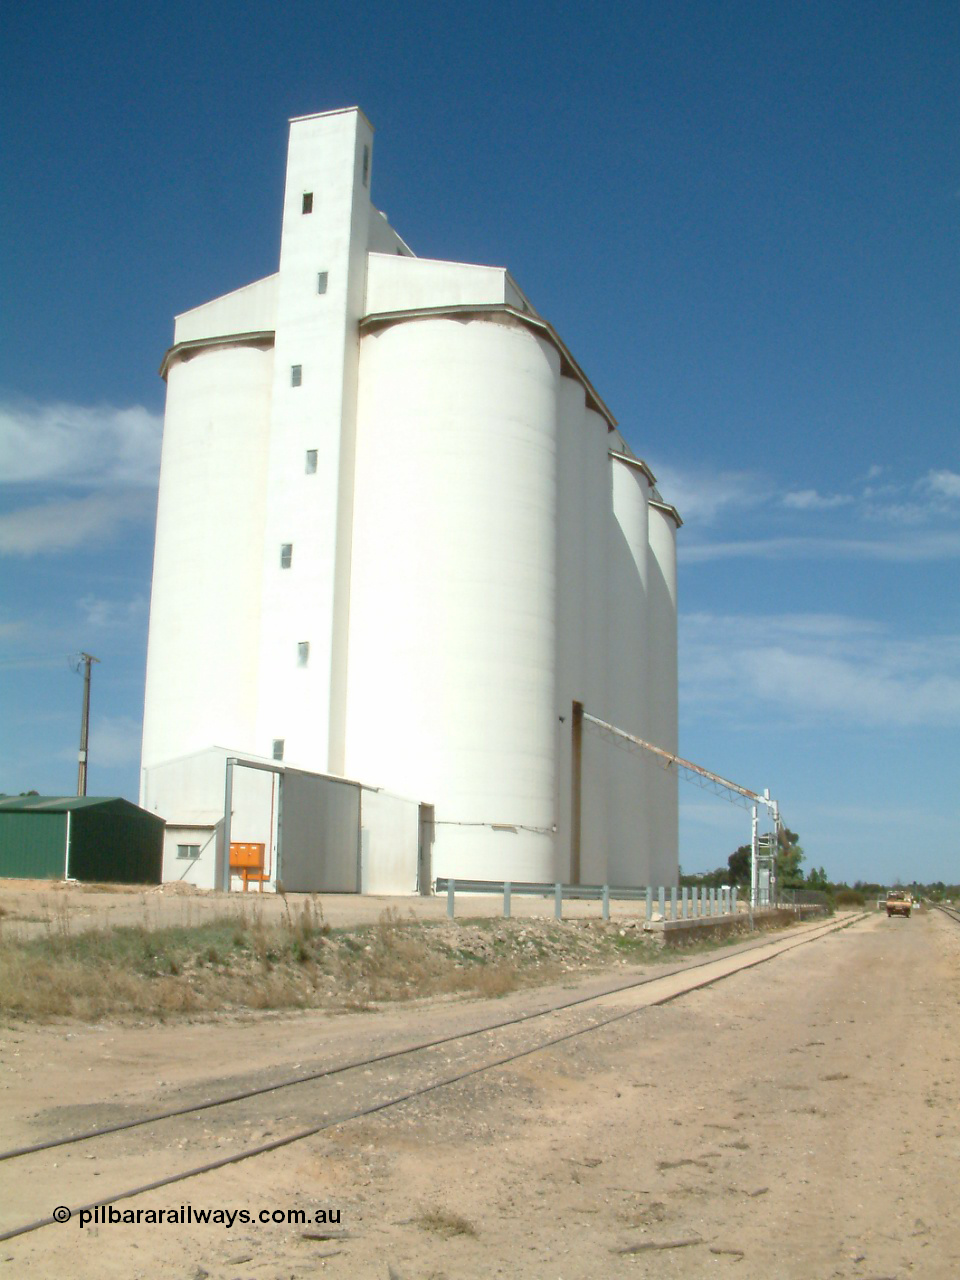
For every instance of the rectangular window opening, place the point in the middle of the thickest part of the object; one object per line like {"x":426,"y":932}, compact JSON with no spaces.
{"x":322,"y":282}
{"x":308,"y":202}
{"x":296,"y":375}
{"x":278,"y":744}
{"x":188,"y":851}
{"x":366,"y":165}
{"x":311,"y":462}
{"x":286,"y":555}
{"x":303,"y":653}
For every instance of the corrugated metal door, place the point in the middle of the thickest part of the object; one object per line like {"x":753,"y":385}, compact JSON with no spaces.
{"x":32,"y":845}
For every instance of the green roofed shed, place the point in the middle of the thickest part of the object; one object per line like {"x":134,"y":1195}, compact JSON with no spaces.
{"x":93,"y":838}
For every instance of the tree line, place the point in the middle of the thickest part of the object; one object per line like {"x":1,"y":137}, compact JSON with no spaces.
{"x":791,"y":875}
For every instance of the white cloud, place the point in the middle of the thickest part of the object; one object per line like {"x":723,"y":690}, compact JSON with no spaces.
{"x":911,"y":548}
{"x":67,"y":444}
{"x":115,"y":741}
{"x":944,"y":484}
{"x":907,"y":521}
{"x":113,"y":615}
{"x":701,"y":496}
{"x":63,"y":524}
{"x":810,"y":500}
{"x":818,"y":670}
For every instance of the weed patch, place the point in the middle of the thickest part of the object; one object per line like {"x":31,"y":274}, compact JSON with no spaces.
{"x":442,"y":1223}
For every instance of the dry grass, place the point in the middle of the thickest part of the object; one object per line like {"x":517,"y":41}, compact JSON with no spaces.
{"x":443,"y":1223}
{"x":239,"y":961}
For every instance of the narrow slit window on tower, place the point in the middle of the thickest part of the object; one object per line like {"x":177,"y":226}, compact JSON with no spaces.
{"x":303,"y":653}
{"x":296,"y":375}
{"x":311,"y":462}
{"x":286,"y":555}
{"x":278,"y":748}
{"x":308,"y":202}
{"x":321,"y":282}
{"x":366,"y":165}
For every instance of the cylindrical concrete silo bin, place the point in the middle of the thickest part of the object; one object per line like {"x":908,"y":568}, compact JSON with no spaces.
{"x":571,"y":608}
{"x":202,"y":652}
{"x":451,"y":681}
{"x":595,"y":774}
{"x":627,"y":572}
{"x":662,"y":669}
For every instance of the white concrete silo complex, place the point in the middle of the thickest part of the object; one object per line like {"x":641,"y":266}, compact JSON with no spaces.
{"x":399,"y":537}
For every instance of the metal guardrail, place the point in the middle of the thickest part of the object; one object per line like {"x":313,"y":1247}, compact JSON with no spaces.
{"x":684,"y":904}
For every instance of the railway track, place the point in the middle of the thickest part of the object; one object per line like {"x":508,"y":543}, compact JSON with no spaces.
{"x":951,"y":912}
{"x":654,"y":989}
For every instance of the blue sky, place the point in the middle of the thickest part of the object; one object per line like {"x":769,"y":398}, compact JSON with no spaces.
{"x":742,"y":218}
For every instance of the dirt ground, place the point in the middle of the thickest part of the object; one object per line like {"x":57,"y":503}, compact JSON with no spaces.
{"x":29,"y":907}
{"x":798,"y":1119}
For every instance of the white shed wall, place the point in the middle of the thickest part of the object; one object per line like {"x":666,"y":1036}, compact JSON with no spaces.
{"x":389,"y":843}
{"x":202,"y":871}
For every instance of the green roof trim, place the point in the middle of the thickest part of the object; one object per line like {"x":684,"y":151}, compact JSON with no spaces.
{"x":54,"y":804}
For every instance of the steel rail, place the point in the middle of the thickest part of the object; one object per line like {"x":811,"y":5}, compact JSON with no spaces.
{"x":288,"y":1082}
{"x":300,"y":1135}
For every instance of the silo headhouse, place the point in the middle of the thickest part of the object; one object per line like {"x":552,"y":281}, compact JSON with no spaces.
{"x":399,"y":538}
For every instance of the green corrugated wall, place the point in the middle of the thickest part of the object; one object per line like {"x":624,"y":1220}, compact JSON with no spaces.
{"x":32,"y":845}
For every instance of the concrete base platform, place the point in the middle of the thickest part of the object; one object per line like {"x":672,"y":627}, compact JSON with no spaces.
{"x":678,"y":933}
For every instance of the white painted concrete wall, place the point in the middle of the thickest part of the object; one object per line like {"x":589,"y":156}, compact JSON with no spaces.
{"x":627,"y":570}
{"x":452,"y":611}
{"x":572,"y":658}
{"x":400,"y":284}
{"x":662,"y":631}
{"x":203,"y":652}
{"x":252,"y":309}
{"x":597,"y":503}
{"x":318,"y":332}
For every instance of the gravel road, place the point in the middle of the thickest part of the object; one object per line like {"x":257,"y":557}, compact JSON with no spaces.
{"x":799,"y":1119}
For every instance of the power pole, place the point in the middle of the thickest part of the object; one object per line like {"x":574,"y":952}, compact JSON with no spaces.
{"x":86,"y":659}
